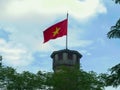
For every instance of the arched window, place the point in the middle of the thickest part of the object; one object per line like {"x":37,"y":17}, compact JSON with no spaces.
{"x":70,"y":56}
{"x":60,"y":56}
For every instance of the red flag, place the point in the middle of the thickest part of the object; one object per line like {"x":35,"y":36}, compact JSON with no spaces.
{"x":57,"y":30}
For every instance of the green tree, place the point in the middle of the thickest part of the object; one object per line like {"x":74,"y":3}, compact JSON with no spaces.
{"x":114,"y":78}
{"x":27,"y":81}
{"x":66,"y":79}
{"x":7,"y":75}
{"x":71,"y":79}
{"x":11,"y":80}
{"x":115,"y":30}
{"x":117,"y":1}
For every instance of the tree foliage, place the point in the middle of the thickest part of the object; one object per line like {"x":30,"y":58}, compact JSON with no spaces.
{"x":69,"y":79}
{"x":7,"y":75}
{"x":11,"y":80}
{"x":115,"y":30}
{"x":117,"y":1}
{"x":114,"y":78}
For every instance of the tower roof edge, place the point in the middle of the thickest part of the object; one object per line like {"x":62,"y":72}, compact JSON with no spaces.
{"x":66,"y":51}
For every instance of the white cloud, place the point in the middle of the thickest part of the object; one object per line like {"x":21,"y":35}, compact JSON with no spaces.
{"x":45,"y":47}
{"x":14,"y":55}
{"x":17,"y":9}
{"x":81,"y":43}
{"x":85,"y":52}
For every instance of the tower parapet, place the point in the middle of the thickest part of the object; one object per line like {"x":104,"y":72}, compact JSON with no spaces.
{"x":67,"y":58}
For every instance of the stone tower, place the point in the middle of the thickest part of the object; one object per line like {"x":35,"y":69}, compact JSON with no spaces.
{"x":67,"y":58}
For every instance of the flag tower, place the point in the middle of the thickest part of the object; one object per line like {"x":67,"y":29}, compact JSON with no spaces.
{"x":65,"y":57}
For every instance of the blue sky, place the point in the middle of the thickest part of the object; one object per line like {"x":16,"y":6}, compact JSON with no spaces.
{"x":22,"y":23}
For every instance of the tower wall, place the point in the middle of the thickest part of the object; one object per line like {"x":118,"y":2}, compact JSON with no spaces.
{"x":67,"y":58}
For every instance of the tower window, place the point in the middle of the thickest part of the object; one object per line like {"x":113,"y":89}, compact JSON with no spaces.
{"x":70,"y":56}
{"x":60,"y":57}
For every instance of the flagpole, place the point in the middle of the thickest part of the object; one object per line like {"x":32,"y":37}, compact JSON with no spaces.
{"x":67,"y":34}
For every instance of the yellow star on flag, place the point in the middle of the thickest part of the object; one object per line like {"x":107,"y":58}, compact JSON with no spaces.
{"x":56,"y":31}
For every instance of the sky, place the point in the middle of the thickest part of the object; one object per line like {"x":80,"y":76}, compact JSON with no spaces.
{"x":22,"y":23}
